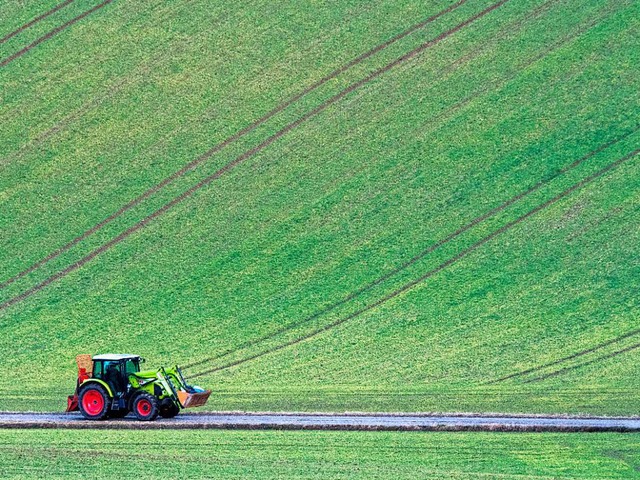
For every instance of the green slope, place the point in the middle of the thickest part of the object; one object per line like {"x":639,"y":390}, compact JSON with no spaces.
{"x":264,"y":454}
{"x":273,"y":281}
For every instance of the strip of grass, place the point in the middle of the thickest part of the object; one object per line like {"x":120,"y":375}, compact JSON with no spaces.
{"x":273,"y":454}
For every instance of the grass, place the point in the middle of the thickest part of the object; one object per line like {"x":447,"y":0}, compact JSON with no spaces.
{"x":136,"y":91}
{"x":274,"y":454}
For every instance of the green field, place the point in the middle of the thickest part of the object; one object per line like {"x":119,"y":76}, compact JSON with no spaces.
{"x":369,"y":455}
{"x":445,"y":232}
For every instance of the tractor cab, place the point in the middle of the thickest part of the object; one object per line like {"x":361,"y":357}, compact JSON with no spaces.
{"x":115,"y":369}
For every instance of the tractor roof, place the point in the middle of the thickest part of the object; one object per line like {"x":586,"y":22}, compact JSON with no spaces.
{"x":114,"y":356}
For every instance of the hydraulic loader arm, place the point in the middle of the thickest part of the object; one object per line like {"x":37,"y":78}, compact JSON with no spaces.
{"x":189,"y":396}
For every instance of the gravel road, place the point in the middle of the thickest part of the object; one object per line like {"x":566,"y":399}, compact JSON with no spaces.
{"x":319,"y":421}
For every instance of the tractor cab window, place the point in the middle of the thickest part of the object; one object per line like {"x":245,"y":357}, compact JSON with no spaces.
{"x":103,"y":369}
{"x":112,"y":374}
{"x":131,"y":366}
{"x":111,"y":370}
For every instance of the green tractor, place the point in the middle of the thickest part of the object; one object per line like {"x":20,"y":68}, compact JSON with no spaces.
{"x":113,"y":385}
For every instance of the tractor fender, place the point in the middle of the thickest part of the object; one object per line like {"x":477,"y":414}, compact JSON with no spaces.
{"x":96,"y":380}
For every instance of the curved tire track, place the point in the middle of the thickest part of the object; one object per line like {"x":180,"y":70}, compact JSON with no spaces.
{"x":35,"y":20}
{"x":430,"y":273}
{"x":458,"y":232}
{"x":571,"y":368}
{"x":249,"y":153}
{"x":229,"y":140}
{"x":419,"y":256}
{"x":584,"y":364}
{"x":573,"y":356}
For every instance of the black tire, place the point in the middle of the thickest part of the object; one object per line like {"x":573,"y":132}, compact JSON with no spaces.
{"x":118,"y":413}
{"x":94,"y":402}
{"x":169,"y":411}
{"x":145,"y":407}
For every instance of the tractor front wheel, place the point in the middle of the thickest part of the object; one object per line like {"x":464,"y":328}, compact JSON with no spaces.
{"x":145,"y":407}
{"x":169,"y":411}
{"x":94,"y":402}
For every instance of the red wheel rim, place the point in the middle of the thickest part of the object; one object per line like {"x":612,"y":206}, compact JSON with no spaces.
{"x":92,"y":402}
{"x":144,"y":407}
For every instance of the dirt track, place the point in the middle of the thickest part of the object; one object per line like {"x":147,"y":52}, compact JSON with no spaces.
{"x":319,"y":421}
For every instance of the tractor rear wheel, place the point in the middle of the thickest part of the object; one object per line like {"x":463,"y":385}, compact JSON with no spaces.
{"x":145,"y":406}
{"x":94,"y":402}
{"x":169,"y":411}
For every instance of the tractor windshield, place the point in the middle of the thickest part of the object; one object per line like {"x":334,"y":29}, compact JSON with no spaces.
{"x":131,"y":366}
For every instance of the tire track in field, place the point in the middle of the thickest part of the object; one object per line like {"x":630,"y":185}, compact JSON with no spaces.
{"x":535,"y":58}
{"x":138,"y":72}
{"x":564,"y":370}
{"x":458,"y":232}
{"x":34,"y":21}
{"x":462,"y":254}
{"x":229,"y":140}
{"x":573,"y":356}
{"x":52,"y":33}
{"x":249,"y":153}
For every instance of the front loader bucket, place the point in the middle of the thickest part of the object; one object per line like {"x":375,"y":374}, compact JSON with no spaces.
{"x":188,"y":400}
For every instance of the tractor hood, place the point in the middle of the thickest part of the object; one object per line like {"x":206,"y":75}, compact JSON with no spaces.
{"x":146,"y":374}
